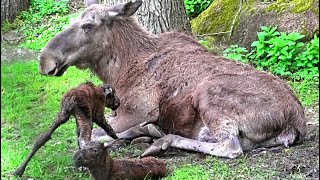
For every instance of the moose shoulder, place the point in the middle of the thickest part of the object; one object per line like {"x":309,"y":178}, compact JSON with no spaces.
{"x":203,"y":102}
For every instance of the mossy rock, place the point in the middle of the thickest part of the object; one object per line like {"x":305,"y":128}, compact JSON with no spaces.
{"x":289,"y":16}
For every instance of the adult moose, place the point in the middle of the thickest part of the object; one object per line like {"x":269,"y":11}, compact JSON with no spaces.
{"x":203,"y":102}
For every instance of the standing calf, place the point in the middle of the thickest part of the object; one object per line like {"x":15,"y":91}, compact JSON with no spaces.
{"x":86,"y":103}
{"x":101,"y":166}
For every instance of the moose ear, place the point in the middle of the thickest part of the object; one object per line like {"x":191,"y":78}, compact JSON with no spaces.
{"x":89,"y":2}
{"x":125,"y":9}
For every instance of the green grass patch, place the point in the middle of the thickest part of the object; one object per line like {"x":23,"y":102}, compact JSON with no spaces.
{"x":219,"y":168}
{"x":29,"y":104}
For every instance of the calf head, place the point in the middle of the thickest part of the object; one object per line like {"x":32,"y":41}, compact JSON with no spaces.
{"x":93,"y":154}
{"x":112,"y":100}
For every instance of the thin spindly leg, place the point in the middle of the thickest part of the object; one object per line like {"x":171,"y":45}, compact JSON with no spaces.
{"x":62,"y":117}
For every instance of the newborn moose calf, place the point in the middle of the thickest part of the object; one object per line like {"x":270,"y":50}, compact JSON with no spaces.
{"x":86,"y":103}
{"x":95,"y":157}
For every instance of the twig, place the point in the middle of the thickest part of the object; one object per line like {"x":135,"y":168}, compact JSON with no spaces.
{"x":234,"y":20}
{"x":231,"y":28}
{"x":212,"y":34}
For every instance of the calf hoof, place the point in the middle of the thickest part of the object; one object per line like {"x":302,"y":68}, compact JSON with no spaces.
{"x":19,"y":172}
{"x":82,"y":169}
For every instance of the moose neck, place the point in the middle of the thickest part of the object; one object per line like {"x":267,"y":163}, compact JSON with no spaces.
{"x":130,"y":46}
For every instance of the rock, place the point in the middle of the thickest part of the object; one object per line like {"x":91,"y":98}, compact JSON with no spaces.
{"x":12,"y":37}
{"x":289,"y":16}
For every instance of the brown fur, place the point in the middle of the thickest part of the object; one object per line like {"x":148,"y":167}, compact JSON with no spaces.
{"x":103,"y":167}
{"x":173,"y":81}
{"x":86,"y":103}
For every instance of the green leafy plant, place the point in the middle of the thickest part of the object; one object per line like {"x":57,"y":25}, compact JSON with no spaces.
{"x":41,"y":22}
{"x":306,"y":63}
{"x":285,"y":55}
{"x":236,"y":53}
{"x":275,"y":51}
{"x":195,"y":7}
{"x":36,"y":37}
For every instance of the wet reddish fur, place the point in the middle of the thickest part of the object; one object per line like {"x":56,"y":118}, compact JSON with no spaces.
{"x":103,"y":167}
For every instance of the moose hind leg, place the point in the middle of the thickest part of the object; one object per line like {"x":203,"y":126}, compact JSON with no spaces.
{"x":228,"y":147}
{"x":286,"y":138}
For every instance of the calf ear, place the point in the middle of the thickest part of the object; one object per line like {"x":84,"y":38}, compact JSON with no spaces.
{"x":107,"y":91}
{"x":125,"y":9}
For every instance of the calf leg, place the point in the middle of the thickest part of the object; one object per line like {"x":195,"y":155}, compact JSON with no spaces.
{"x":62,"y":117}
{"x":101,"y":121}
{"x":228,"y":147}
{"x":84,"y":128}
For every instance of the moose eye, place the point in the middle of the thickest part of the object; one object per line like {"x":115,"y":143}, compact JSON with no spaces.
{"x":86,"y":27}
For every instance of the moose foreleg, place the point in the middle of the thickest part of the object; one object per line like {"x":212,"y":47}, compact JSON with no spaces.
{"x":229,"y":147}
{"x":143,"y":129}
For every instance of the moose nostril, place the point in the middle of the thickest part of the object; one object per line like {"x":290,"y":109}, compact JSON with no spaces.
{"x":51,"y":72}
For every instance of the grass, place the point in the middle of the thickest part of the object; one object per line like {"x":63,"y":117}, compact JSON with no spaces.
{"x":307,"y":90}
{"x":219,"y":168}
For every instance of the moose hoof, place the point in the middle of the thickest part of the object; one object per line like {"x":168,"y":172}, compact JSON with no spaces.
{"x":160,"y":144}
{"x":151,"y":151}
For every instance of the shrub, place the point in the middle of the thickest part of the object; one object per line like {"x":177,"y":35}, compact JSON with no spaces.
{"x":195,"y":7}
{"x":236,"y":53}
{"x":285,"y":55}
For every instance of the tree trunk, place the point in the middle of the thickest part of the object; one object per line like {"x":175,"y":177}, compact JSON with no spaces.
{"x":10,"y":8}
{"x":161,"y":15}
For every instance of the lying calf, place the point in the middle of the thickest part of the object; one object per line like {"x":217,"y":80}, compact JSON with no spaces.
{"x":101,"y":166}
{"x":86,"y":103}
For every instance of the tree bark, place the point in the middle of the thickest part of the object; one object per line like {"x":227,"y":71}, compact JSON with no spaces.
{"x":10,"y":9}
{"x":161,"y":15}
